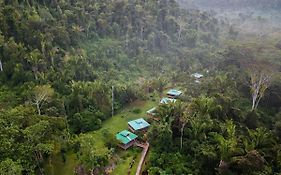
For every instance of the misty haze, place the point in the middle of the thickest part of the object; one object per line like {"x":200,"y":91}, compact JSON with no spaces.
{"x":140,"y":87}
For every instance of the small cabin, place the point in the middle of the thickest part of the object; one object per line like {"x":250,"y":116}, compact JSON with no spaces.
{"x":126,"y":138}
{"x":167,"y":100}
{"x":197,"y":77}
{"x":151,"y":113}
{"x":138,"y":125}
{"x":173,"y":93}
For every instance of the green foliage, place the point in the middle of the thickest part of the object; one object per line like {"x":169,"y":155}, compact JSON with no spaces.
{"x":136,"y":111}
{"x":209,"y":140}
{"x":42,"y":94}
{"x":85,"y":121}
{"x":64,"y":57}
{"x":89,"y":156}
{"x":109,"y":139}
{"x":175,"y":162}
{"x":9,"y":167}
{"x":228,"y":145}
{"x":160,"y":137}
{"x":26,"y":137}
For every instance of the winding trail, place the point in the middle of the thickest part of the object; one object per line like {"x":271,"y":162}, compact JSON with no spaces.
{"x":143,"y":155}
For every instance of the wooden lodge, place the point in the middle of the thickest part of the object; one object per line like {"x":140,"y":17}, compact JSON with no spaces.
{"x":173,"y":93}
{"x":197,"y":77}
{"x":138,"y":125}
{"x":151,"y":113}
{"x":166,"y":100}
{"x":126,"y":138}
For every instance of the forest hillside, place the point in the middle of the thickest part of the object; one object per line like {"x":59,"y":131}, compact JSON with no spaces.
{"x":68,"y":66}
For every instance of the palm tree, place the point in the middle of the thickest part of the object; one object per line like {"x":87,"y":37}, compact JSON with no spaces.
{"x":171,"y":111}
{"x":259,"y":139}
{"x":203,"y":106}
{"x":165,"y":112}
{"x":198,"y":127}
{"x":227,"y":145}
{"x":177,"y":112}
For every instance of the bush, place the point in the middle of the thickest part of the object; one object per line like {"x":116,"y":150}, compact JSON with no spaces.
{"x":136,"y":111}
{"x":251,"y":120}
{"x":85,"y":121}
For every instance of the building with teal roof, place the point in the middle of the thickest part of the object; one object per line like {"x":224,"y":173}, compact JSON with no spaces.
{"x":126,"y":138}
{"x":167,"y":100}
{"x":173,"y":93}
{"x":138,"y":125}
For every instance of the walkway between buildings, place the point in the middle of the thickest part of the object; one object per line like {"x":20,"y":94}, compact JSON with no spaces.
{"x":143,"y":155}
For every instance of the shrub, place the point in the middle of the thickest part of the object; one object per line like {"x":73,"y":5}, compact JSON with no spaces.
{"x":136,"y":111}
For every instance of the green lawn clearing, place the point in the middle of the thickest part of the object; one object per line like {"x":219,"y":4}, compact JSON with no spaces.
{"x":113,"y":125}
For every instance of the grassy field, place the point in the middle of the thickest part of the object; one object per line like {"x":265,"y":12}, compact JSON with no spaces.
{"x":113,"y":125}
{"x":126,"y":157}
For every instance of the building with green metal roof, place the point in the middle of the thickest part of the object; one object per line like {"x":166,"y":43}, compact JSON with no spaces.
{"x":138,"y":125}
{"x":173,"y":93}
{"x":126,"y":138}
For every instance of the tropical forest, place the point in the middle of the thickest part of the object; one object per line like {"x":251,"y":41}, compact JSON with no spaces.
{"x":140,"y":87}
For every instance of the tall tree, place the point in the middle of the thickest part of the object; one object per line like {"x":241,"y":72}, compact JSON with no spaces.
{"x":36,"y":140}
{"x":91,"y":157}
{"x":259,"y":139}
{"x":35,"y":58}
{"x":184,"y":118}
{"x":260,"y":76}
{"x":42,"y":94}
{"x":1,"y":44}
{"x":227,"y":145}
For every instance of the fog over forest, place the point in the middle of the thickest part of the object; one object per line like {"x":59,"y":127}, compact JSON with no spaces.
{"x":256,"y":18}
{"x":230,"y":4}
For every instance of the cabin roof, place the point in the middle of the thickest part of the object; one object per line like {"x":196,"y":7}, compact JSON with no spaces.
{"x":125,"y":136}
{"x":197,"y":75}
{"x":174,"y":92}
{"x":138,"y":124}
{"x":151,"y":111}
{"x":167,"y":100}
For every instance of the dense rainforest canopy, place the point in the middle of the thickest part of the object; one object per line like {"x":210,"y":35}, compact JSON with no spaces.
{"x":60,"y":60}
